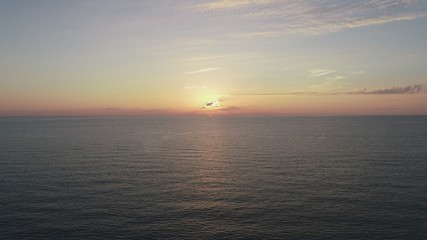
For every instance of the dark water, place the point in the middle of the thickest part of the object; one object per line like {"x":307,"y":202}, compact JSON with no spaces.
{"x":213,"y":178}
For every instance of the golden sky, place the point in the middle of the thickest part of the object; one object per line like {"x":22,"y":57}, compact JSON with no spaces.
{"x":218,"y":57}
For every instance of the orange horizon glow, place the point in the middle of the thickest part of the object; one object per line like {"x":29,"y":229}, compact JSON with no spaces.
{"x":275,"y":106}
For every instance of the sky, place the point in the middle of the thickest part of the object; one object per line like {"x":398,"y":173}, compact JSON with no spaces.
{"x":213,"y":57}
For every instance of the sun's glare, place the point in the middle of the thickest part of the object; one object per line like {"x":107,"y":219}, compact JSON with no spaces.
{"x":214,"y":104}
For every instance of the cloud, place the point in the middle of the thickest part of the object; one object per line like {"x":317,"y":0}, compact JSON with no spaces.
{"x":213,"y":104}
{"x":310,"y":17}
{"x":262,"y":34}
{"x":412,"y":89}
{"x":202,"y":70}
{"x":265,"y":18}
{"x":230,"y":4}
{"x":320,"y":26}
{"x":229,"y":108}
{"x":207,"y":58}
{"x":217,"y":105}
{"x":332,"y":83}
{"x":314,"y":73}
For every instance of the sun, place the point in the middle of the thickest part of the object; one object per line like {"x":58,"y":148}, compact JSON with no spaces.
{"x":211,"y":101}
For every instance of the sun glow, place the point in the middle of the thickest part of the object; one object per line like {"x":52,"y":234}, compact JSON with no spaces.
{"x":215,"y":104}
{"x":210,"y":100}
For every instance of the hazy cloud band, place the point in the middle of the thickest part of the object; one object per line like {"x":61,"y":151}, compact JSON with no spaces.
{"x":413,"y":89}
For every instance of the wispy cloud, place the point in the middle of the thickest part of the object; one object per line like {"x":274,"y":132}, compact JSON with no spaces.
{"x":314,"y":73}
{"x":262,"y":34}
{"x":322,"y":26}
{"x":331,"y":84}
{"x":202,"y":70}
{"x":311,"y":17}
{"x":229,"y":108}
{"x":228,"y":4}
{"x":207,"y":58}
{"x":412,"y":89}
{"x":417,"y":88}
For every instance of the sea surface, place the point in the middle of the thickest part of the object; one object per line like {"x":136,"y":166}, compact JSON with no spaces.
{"x":214,"y":178}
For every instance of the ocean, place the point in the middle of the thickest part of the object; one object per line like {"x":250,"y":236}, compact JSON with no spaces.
{"x":214,"y":178}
